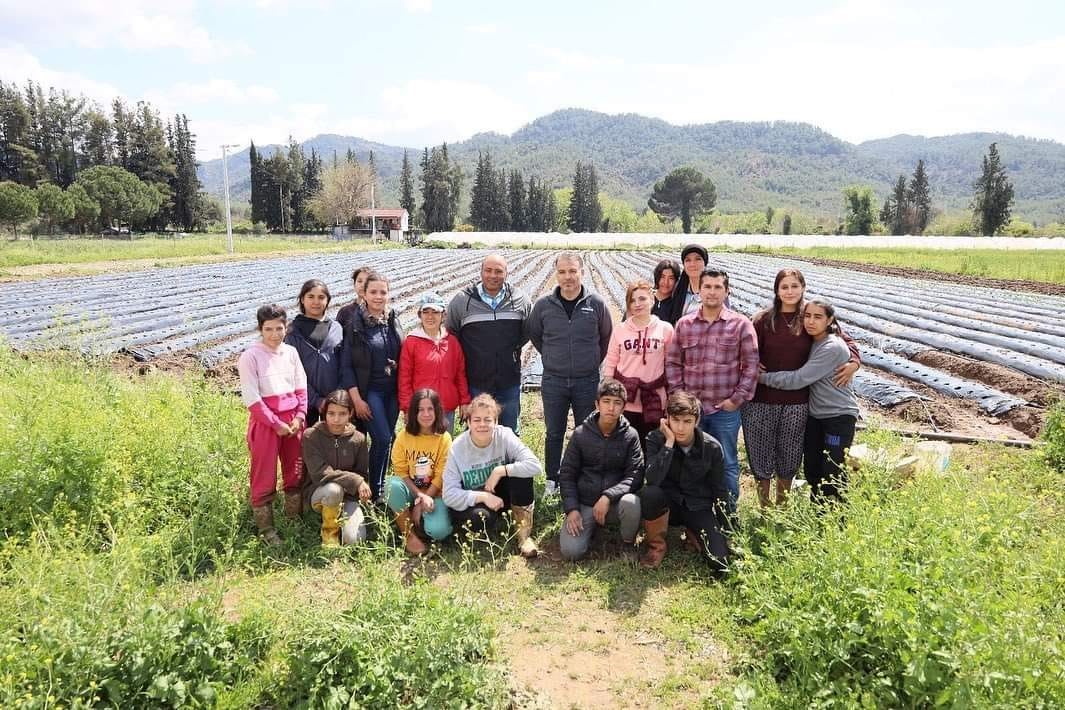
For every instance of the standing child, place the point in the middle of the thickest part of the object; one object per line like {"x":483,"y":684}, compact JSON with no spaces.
{"x":833,"y":407}
{"x":273,"y":386}
{"x":419,"y":455}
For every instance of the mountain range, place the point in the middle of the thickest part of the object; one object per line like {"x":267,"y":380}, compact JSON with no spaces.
{"x":753,"y":164}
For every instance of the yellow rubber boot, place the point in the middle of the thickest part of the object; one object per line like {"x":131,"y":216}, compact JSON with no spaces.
{"x":330,"y":525}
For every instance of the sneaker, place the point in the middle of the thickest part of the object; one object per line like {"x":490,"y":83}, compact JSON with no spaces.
{"x":550,"y":489}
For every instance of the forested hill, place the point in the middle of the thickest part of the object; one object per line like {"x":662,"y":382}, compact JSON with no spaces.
{"x":754,"y":165}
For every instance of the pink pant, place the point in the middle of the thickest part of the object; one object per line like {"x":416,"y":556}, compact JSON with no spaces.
{"x":266,"y":447}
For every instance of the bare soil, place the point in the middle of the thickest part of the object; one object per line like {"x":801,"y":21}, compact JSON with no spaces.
{"x":992,"y":375}
{"x":1040,"y":287}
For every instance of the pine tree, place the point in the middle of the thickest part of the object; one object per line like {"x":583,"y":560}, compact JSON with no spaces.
{"x":185,"y":184}
{"x":406,"y":187}
{"x":575,"y":220}
{"x":518,"y":204}
{"x":99,"y":142}
{"x":258,"y":188}
{"x":499,"y":208}
{"x":480,"y":193}
{"x":993,"y":194}
{"x":536,"y":207}
{"x":441,"y":183}
{"x":312,"y":184}
{"x":898,"y":219}
{"x":919,"y":199}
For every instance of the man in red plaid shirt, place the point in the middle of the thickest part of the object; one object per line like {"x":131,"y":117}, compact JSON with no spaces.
{"x":714,"y":356}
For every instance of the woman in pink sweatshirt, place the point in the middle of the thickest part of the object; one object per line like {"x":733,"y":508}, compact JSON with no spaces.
{"x":273,"y":386}
{"x":636,"y":357}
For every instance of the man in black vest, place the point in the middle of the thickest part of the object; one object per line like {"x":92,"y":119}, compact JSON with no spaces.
{"x":488,"y":318}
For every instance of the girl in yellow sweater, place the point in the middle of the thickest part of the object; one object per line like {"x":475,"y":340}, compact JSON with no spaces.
{"x":419,"y":455}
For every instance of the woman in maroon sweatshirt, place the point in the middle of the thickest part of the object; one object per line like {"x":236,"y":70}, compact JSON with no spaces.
{"x":775,"y":420}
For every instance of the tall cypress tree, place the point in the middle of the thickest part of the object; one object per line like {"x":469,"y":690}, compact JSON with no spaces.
{"x":575,"y":219}
{"x":185,"y":184}
{"x":258,"y":188}
{"x":406,"y":187}
{"x":480,"y":193}
{"x":518,"y":205}
{"x":993,"y":194}
{"x":920,"y":201}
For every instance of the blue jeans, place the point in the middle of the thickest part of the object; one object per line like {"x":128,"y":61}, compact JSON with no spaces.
{"x":385,"y":409}
{"x":509,"y":398}
{"x":725,"y":427}
{"x":560,"y":394}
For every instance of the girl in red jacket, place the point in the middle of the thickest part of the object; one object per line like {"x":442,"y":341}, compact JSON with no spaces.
{"x":432,"y":358}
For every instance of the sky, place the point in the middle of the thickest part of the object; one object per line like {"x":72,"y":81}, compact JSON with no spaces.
{"x":418,"y":72}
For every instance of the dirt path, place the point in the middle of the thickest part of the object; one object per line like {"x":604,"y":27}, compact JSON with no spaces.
{"x":1040,"y":287}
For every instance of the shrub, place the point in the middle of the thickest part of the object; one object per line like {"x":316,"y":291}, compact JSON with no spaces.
{"x":396,"y":647}
{"x":944,"y":592}
{"x":113,"y":458}
{"x":1054,"y":437}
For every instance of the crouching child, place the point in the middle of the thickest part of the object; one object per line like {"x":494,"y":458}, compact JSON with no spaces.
{"x":684,"y":484}
{"x":337,"y":460}
{"x":601,"y":469}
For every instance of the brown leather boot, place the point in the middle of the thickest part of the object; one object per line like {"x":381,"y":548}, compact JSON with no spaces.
{"x":293,"y":504}
{"x":264,"y":521}
{"x":655,"y":532}
{"x":411,"y":541}
{"x":692,"y":541}
{"x":523,"y":519}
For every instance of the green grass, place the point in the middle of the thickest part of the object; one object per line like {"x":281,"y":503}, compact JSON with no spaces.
{"x":80,"y":250}
{"x":130,"y":576}
{"x":1028,"y":265}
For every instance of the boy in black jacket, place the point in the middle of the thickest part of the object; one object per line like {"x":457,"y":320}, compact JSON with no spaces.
{"x":602,"y":467}
{"x":684,"y":484}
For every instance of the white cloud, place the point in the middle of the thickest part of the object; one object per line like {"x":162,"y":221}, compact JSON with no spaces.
{"x":417,"y":6}
{"x":212,"y":91}
{"x":18,"y":64}
{"x":482,"y":29}
{"x":121,"y":24}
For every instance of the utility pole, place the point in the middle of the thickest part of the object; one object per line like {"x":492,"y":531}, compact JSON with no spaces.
{"x":229,"y":213}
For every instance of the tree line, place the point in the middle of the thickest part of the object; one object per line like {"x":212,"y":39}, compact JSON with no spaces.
{"x":75,"y":163}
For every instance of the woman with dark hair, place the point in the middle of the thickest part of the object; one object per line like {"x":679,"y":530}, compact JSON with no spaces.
{"x":833,"y":408}
{"x":319,"y":340}
{"x":418,"y":459}
{"x":336,"y":458}
{"x":685,"y":298}
{"x":375,"y":340}
{"x":667,"y":273}
{"x":774,"y":421}
{"x":358,"y":279}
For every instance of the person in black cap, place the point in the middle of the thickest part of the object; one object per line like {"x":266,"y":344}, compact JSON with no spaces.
{"x":685,"y":298}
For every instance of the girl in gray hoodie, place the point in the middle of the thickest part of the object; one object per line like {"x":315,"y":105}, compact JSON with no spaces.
{"x":833,"y":409}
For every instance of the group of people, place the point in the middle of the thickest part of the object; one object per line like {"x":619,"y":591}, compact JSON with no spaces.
{"x":657,"y":400}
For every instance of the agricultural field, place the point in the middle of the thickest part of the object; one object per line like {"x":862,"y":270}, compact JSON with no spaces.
{"x":945,"y":357}
{"x":130,"y":575}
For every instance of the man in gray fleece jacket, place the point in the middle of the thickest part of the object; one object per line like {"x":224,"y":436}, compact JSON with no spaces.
{"x":570,"y":327}
{"x":602,"y":467}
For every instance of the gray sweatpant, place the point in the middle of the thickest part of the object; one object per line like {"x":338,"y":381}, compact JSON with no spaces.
{"x":625,"y":511}
{"x":352,"y":519}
